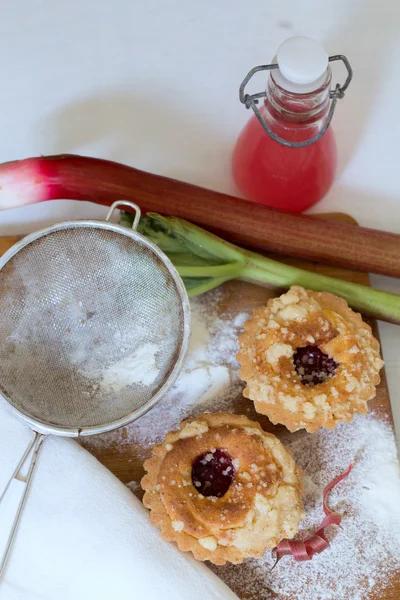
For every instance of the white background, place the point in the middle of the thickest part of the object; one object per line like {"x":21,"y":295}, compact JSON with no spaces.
{"x":154,"y":84}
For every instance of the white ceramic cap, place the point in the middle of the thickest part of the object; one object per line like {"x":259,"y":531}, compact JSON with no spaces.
{"x":302,"y":65}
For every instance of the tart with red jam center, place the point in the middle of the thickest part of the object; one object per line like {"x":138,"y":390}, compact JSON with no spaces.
{"x":308,"y":360}
{"x":223,"y":489}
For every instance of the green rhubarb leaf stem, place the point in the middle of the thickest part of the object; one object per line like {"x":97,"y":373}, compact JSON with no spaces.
{"x":205,"y":261}
{"x":369,"y":301}
{"x":205,"y":286}
{"x":230,"y":270}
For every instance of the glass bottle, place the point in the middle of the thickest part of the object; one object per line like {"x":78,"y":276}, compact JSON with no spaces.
{"x":285,"y":157}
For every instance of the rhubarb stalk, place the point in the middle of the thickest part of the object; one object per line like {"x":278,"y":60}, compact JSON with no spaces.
{"x":245,"y":223}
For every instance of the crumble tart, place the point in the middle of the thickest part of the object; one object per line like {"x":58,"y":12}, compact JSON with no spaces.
{"x":223,"y":489}
{"x":308,"y":360}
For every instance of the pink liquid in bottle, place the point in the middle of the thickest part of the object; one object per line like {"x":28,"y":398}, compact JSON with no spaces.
{"x":267,"y":172}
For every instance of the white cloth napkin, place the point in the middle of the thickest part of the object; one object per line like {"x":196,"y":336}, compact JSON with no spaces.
{"x":84,"y":535}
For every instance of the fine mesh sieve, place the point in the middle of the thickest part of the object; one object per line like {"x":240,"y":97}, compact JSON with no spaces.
{"x":94,"y":327}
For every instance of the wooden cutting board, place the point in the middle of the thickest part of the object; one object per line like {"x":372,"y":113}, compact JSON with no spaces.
{"x":124,"y":460}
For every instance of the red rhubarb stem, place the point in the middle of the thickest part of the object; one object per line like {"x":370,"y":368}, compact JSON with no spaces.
{"x":246,"y":223}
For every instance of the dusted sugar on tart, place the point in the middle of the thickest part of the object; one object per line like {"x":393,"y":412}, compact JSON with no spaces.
{"x":223,"y":488}
{"x":308,"y":360}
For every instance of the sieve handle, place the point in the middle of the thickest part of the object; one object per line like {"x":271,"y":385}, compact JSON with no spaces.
{"x":131,"y":205}
{"x":33,"y":448}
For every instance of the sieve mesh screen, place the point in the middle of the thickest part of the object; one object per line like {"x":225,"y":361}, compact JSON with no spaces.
{"x":91,"y":326}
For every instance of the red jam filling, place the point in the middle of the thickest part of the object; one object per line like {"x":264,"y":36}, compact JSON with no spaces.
{"x":213,"y":472}
{"x":313,"y":366}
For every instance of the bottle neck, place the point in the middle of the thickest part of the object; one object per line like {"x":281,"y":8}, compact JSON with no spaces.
{"x":296,"y":115}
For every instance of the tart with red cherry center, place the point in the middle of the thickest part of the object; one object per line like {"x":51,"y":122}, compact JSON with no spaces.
{"x":308,"y":360}
{"x":223,"y":489}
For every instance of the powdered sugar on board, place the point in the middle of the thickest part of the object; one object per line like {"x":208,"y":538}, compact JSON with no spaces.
{"x":364,"y":554}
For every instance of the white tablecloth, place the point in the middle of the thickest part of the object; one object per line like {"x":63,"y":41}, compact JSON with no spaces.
{"x":84,"y":536}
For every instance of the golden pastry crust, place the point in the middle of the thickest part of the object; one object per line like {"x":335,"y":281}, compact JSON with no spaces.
{"x":261,"y":506}
{"x":297,"y":319}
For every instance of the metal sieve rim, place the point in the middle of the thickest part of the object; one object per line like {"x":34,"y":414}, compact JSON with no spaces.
{"x":46,"y":428}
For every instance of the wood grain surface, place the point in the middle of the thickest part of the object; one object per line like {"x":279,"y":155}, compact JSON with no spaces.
{"x":125,"y":462}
